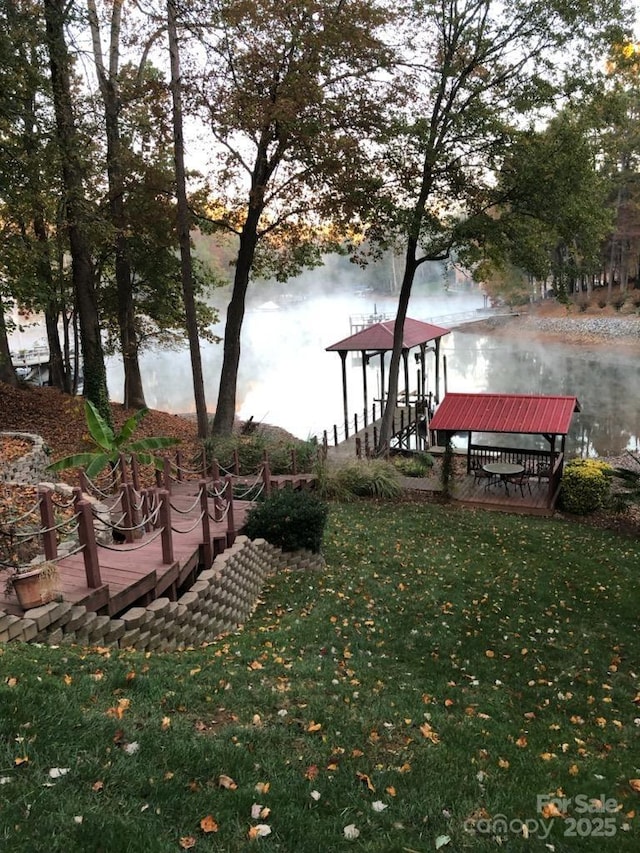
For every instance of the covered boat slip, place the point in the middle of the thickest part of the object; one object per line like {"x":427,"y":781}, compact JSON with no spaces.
{"x":513,"y":414}
{"x":377,"y":340}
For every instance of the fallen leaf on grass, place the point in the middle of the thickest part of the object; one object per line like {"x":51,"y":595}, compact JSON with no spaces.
{"x":442,"y":841}
{"x":118,"y":710}
{"x":131,"y":748}
{"x":634,"y":784}
{"x":20,"y":760}
{"x":262,"y":787}
{"x":11,"y":682}
{"x":208,"y":824}
{"x":187,"y":841}
{"x":314,"y":727}
{"x":429,"y":733}
{"x":259,"y":831}
{"x":58,"y":772}
{"x":311,"y":772}
{"x":227,"y":782}
{"x":351,"y":832}
{"x":166,"y":723}
{"x":366,"y":780}
{"x":379,"y":806}
{"x":98,"y":786}
{"x":391,"y":791}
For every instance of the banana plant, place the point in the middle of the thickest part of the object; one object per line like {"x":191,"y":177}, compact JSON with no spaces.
{"x":109,"y":444}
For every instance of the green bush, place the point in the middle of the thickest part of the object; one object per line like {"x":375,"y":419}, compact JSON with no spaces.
{"x":289,"y":519}
{"x":585,"y":485}
{"x":359,"y":478}
{"x":415,"y":465}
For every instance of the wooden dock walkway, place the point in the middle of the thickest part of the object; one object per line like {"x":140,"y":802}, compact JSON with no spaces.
{"x":155,"y":562}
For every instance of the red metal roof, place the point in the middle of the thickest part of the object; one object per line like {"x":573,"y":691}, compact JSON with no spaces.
{"x":518,"y":413}
{"x":380,"y":336}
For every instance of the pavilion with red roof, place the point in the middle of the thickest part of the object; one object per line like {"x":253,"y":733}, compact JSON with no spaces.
{"x":519,"y":414}
{"x":378,"y":340}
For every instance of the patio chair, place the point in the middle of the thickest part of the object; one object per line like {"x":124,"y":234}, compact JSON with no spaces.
{"x":520,"y":481}
{"x":543,"y":471}
{"x":480,"y":475}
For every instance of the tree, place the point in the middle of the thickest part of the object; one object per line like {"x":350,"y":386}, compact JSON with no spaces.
{"x":289,"y":92}
{"x":184,"y":223}
{"x":477,"y":70}
{"x":28,"y":182}
{"x":556,"y":217}
{"x":109,"y":84}
{"x":95,"y":380}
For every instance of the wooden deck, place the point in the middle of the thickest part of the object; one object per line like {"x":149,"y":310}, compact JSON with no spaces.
{"x":472,"y":493}
{"x":135,"y":574}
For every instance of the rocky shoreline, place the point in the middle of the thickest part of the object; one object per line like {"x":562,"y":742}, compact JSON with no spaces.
{"x":574,"y":328}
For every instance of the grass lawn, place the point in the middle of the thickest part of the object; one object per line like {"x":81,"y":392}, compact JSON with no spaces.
{"x":448,"y":668}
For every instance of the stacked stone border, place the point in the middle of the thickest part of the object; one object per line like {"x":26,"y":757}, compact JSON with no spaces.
{"x":28,"y":468}
{"x":221,"y":600}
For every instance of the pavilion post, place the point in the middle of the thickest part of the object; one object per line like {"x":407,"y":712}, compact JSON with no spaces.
{"x":405,"y":359}
{"x":437,"y":388}
{"x":343,"y":358}
{"x":364,"y":385}
{"x":382,"y":394}
{"x":423,"y":370}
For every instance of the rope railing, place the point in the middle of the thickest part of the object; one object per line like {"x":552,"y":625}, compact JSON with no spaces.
{"x":188,"y":509}
{"x":189,"y":529}
{"x":126,"y":548}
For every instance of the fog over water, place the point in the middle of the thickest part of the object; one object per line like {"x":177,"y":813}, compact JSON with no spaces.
{"x":286,"y":377}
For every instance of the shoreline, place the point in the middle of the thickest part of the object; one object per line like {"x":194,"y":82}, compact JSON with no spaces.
{"x":588,"y":330}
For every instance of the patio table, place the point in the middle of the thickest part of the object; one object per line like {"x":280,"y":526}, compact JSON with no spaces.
{"x":504,"y":470}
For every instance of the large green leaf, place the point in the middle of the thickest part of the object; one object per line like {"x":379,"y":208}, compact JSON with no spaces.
{"x":151,"y":443}
{"x":77,"y":460}
{"x":99,"y":429}
{"x":98,"y":463}
{"x":130,"y":426}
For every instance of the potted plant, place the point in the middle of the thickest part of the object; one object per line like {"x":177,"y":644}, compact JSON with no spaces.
{"x":34,"y":585}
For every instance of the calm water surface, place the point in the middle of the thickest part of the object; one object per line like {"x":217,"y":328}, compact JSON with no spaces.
{"x":287,"y":378}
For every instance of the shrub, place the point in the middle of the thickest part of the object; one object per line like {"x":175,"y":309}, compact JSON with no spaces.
{"x":585,"y":485}
{"x":252,"y":447}
{"x":359,"y":478}
{"x":289,"y":519}
{"x":415,"y":465}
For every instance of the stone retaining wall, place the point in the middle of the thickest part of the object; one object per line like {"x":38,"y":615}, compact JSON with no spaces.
{"x":28,"y":469}
{"x":221,"y":600}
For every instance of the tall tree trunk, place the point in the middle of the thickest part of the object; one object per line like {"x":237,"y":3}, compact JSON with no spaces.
{"x":226,"y":406}
{"x":95,"y":377}
{"x":7,"y":371}
{"x":108,"y":81}
{"x":58,"y":377}
{"x":410,"y":267}
{"x":184,"y":222}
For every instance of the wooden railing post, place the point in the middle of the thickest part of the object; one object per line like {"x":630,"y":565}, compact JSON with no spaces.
{"x":146,"y":511}
{"x":266,"y":477}
{"x":215,"y":470}
{"x":87,"y":538}
{"x":236,"y":463}
{"x":294,"y":461}
{"x":122,"y":459}
{"x":359,"y":448}
{"x":367,"y":449}
{"x":346,"y":427}
{"x":207,"y":549}
{"x":179,"y":465}
{"x":355,"y":422}
{"x":47,"y":519}
{"x":166,"y":474}
{"x":165,"y":521}
{"x":335,"y":435}
{"x":127,"y":512}
{"x":231,"y":526}
{"x":85,"y":486}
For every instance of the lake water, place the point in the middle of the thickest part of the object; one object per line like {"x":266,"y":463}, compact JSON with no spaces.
{"x":287,"y":378}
